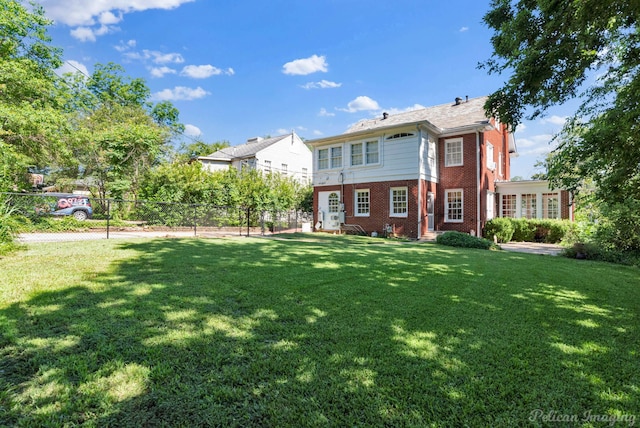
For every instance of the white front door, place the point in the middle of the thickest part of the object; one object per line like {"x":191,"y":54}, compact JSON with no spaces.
{"x":329,"y":210}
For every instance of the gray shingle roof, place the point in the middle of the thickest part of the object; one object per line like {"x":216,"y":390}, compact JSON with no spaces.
{"x":246,"y":150}
{"x":444,"y":116}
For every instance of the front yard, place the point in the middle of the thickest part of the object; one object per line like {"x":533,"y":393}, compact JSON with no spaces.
{"x":314,"y":330}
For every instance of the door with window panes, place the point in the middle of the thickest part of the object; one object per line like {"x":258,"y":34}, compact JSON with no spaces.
{"x":329,"y":210}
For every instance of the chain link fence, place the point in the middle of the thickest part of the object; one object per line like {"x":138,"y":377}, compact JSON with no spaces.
{"x":56,"y":217}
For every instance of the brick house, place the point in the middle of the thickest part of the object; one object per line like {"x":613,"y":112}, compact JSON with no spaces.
{"x":413,"y":173}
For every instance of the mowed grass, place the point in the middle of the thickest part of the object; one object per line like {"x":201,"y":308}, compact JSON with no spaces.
{"x":313,"y":330}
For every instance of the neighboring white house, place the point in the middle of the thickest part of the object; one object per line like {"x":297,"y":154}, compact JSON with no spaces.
{"x":532,"y":199}
{"x":285,"y":154}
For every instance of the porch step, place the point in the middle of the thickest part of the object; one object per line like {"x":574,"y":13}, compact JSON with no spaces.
{"x":430,"y":236}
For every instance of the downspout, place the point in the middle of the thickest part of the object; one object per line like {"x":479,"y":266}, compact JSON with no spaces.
{"x":478,"y":182}
{"x":420,"y":160}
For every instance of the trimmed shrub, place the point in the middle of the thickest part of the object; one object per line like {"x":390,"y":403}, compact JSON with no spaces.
{"x":500,"y":227}
{"x":464,"y":240}
{"x":524,"y":230}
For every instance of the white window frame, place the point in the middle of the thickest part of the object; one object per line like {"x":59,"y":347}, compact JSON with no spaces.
{"x":335,"y":161}
{"x":529,"y":205}
{"x":491,"y":164}
{"x":361,"y":153}
{"x":362,"y":208}
{"x":284,"y":169}
{"x":447,"y":207}
{"x":448,"y":145}
{"x":267,"y":166}
{"x":323,"y":162}
{"x":550,"y":199}
{"x":508,"y":205}
{"x":392,"y":202}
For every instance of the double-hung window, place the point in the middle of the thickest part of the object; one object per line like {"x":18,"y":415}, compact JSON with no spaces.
{"x":399,"y":202}
{"x":356,"y":154}
{"x":323,"y":159}
{"x":363,"y":206}
{"x":453,"y":206}
{"x":366,"y":153}
{"x":336,"y":157}
{"x":371,"y":152}
{"x":453,"y":152}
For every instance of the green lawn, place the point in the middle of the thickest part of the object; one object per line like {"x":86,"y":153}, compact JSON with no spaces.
{"x":314,"y":330}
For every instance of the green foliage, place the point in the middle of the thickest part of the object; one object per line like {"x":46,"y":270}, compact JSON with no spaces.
{"x":500,"y":227}
{"x":551,"y":49}
{"x":464,"y":240}
{"x":529,"y":230}
{"x":523,"y":230}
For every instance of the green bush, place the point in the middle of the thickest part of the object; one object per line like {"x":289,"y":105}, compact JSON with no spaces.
{"x":594,"y":251}
{"x":524,"y":230}
{"x":464,"y":240}
{"x":500,"y":227}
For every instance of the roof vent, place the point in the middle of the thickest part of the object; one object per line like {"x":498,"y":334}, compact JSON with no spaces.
{"x":385,"y":115}
{"x":458,"y":101}
{"x":254,"y":140}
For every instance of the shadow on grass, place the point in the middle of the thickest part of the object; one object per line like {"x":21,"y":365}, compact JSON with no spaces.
{"x":331,"y":332}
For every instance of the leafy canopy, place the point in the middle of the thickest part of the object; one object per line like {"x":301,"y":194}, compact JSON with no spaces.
{"x":555,"y":51}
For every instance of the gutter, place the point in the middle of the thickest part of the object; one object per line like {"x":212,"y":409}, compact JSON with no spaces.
{"x":420,"y":160}
{"x":478,"y":182}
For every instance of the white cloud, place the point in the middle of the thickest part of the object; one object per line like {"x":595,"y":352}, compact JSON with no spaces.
{"x":75,"y":13}
{"x":180,"y":93}
{"x":109,"y":18}
{"x":535,"y":141}
{"x":204,"y":71}
{"x":306,"y":66}
{"x":324,"y":113}
{"x":554,"y":120}
{"x":464,"y":29}
{"x":71,"y":66}
{"x":318,"y":133}
{"x":323,"y":84}
{"x":161,"y":71}
{"x":192,"y":130}
{"x":361,"y":103}
{"x":125,"y":46}
{"x":84,"y":34}
{"x":155,"y":57}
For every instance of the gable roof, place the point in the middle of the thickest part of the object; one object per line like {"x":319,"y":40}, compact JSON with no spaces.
{"x":443,"y":117}
{"x":246,"y":150}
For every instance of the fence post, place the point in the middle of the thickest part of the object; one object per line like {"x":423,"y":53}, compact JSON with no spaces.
{"x":248,"y":221}
{"x":108,"y":215}
{"x":195,"y":220}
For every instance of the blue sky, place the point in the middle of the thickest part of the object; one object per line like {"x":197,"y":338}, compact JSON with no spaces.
{"x":245,"y":68}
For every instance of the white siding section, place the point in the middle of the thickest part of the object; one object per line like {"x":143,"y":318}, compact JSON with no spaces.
{"x":398,"y":160}
{"x":291,"y":151}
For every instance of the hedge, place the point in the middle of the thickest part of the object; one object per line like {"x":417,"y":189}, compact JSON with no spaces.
{"x":507,"y":229}
{"x":464,"y":240}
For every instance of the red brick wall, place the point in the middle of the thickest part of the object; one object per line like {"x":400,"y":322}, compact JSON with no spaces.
{"x":379,"y":200}
{"x":458,"y":177}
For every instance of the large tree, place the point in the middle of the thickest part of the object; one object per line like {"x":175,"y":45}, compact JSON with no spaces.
{"x":555,"y":51}
{"x":33,"y":128}
{"x":119,"y":132}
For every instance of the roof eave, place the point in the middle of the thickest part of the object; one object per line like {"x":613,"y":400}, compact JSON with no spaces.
{"x":371,"y":131}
